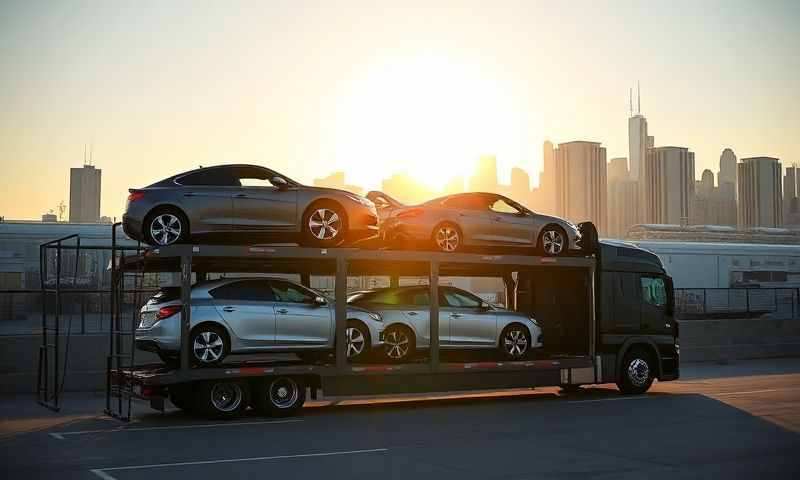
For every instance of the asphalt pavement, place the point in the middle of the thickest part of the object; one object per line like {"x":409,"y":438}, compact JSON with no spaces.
{"x":740,"y":420}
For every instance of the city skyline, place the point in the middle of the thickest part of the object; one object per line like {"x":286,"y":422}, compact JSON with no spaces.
{"x":370,"y":89}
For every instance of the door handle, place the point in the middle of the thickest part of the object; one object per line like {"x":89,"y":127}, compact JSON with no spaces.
{"x":282,"y":310}
{"x":455,"y":315}
{"x":411,"y":313}
{"x":240,"y":195}
{"x":189,"y":194}
{"x":228,"y":309}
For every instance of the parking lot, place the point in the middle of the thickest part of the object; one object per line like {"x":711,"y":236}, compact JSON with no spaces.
{"x":736,"y":421}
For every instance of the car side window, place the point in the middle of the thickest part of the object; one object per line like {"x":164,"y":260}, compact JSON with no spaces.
{"x":286,"y":292}
{"x":455,"y":298}
{"x":254,"y":177}
{"x":502,"y":206}
{"x":654,"y":291}
{"x":418,"y":297}
{"x":212,"y":177}
{"x":246,"y":290}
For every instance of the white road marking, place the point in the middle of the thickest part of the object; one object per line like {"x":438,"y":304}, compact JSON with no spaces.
{"x":60,"y":435}
{"x":642,"y":397}
{"x":749,"y":392}
{"x":102,"y":472}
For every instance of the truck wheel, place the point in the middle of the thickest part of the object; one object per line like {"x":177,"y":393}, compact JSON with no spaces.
{"x":637,"y":372}
{"x":280,"y":396}
{"x":222,"y":399}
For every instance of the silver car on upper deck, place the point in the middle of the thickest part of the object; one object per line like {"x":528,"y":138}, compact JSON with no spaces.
{"x":250,"y":203}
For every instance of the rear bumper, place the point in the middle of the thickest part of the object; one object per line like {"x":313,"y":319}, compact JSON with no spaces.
{"x":132,"y":227}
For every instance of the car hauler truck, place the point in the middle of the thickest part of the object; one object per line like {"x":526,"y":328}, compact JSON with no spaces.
{"x":606,"y":316}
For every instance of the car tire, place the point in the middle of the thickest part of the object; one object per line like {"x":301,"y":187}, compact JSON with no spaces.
{"x":280,"y":396}
{"x":447,"y":237}
{"x":222,"y":399}
{"x":171,"y":221}
{"x":553,"y":241}
{"x":320,"y":220}
{"x":399,"y":344}
{"x":358,"y":341}
{"x":209,"y":345}
{"x":515,"y":342}
{"x":637,"y":372}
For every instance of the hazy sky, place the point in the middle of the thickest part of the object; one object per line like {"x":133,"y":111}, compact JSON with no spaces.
{"x":374,"y":87}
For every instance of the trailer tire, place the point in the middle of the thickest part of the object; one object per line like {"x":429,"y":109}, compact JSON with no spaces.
{"x":223,"y":399}
{"x":280,"y":396}
{"x":637,"y":372}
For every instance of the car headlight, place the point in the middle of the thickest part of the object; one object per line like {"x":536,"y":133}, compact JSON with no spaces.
{"x":363,"y":201}
{"x":375,"y":316}
{"x":534,"y":322}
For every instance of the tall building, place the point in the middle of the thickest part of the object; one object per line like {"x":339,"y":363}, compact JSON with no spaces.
{"x":759,"y":189}
{"x":581,"y":186}
{"x":726,"y":178}
{"x":485,"y":177}
{"x":546,"y":193}
{"x":520,"y":189}
{"x":84,"y":194}
{"x":622,"y":198}
{"x":337,"y":180}
{"x":668,"y":185}
{"x":405,"y":189}
{"x":791,"y":202}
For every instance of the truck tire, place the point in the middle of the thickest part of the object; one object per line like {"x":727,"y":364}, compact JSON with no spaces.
{"x":222,"y":399}
{"x":280,"y":396}
{"x":637,"y":372}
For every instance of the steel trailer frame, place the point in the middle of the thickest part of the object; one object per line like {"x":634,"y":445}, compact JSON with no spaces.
{"x":343,"y":378}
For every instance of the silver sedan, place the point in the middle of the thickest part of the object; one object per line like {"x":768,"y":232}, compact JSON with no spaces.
{"x":251,"y":315}
{"x":465,"y":322}
{"x":451,"y":223}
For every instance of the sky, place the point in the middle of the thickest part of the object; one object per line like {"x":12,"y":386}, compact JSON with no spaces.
{"x":373,"y":88}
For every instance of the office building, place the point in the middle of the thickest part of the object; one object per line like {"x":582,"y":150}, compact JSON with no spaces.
{"x":84,"y":194}
{"x":622,"y":198}
{"x":759,"y":191}
{"x":545,"y":195}
{"x":580,"y":181}
{"x":791,"y":202}
{"x":668,"y":185}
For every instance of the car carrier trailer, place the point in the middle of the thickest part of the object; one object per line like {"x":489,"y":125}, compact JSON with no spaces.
{"x":601,"y":324}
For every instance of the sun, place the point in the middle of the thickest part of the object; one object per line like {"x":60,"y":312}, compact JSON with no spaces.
{"x":428,"y":116}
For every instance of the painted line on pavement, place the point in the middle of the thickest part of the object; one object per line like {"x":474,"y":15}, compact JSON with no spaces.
{"x":614,"y":399}
{"x":103,"y":472}
{"x":61,"y":435}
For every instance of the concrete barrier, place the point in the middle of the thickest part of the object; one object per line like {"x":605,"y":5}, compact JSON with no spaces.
{"x":701,"y":340}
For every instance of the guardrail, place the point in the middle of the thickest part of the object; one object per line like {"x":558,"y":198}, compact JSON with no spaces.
{"x":720,"y":303}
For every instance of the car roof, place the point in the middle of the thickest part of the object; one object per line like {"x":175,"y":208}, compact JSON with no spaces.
{"x":170,"y":180}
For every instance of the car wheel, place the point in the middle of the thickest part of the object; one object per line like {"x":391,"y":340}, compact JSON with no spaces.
{"x":166,"y":227}
{"x":637,"y":372}
{"x":358,"y":341}
{"x":447,"y":238}
{"x":515,"y":342}
{"x":324,"y":225}
{"x":223,"y":399}
{"x":209,"y":345}
{"x":280,"y":396}
{"x":553,"y":241}
{"x":398,"y":343}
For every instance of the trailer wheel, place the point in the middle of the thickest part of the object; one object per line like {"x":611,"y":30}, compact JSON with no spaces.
{"x":222,"y":399}
{"x":280,"y":396}
{"x":637,"y":373}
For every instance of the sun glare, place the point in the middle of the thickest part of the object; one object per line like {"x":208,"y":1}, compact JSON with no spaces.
{"x":430,"y":117}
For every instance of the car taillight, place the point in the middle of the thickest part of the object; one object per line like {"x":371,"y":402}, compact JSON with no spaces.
{"x":167,"y":311}
{"x":135,"y":195}
{"x":414,"y":212}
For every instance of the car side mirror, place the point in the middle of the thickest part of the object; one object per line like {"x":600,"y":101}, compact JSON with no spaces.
{"x":320,"y":301}
{"x":485,"y":306}
{"x":279,"y":182}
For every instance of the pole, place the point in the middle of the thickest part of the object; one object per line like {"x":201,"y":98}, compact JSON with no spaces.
{"x":434,"y":314}
{"x":186,"y":302}
{"x":340,"y":297}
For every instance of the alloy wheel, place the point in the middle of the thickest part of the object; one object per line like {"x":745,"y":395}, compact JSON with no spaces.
{"x":638,"y":372}
{"x":396,"y":343}
{"x":324,"y":224}
{"x":208,"y":347}
{"x":165,"y":229}
{"x":283,"y":392}
{"x":552,"y":242}
{"x":447,"y":239}
{"x":355,"y":342}
{"x":227,"y":396}
{"x":515,"y":343}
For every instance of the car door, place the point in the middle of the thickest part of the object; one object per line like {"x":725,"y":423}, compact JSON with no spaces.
{"x":511,"y":224}
{"x":247,"y":308}
{"x":471,"y":323}
{"x":415,"y":305}
{"x":472,"y":214}
{"x":260,"y":206}
{"x":298,"y":319}
{"x":206,"y":198}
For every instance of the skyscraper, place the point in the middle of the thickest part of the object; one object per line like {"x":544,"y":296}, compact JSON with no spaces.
{"x":622,"y":198}
{"x":668,"y":185}
{"x":791,"y":202}
{"x":520,"y":186}
{"x":84,"y":194}
{"x":637,"y":138}
{"x":546,"y":193}
{"x":727,"y":172}
{"x":759,"y":188}
{"x":581,"y":186}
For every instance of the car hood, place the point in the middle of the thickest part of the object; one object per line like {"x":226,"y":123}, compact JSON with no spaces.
{"x":558,"y":220}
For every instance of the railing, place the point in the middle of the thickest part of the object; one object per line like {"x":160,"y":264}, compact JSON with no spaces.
{"x":703,"y":303}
